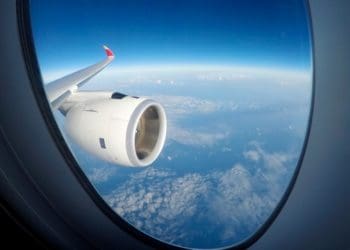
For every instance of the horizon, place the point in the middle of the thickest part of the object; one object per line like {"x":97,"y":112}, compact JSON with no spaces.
{"x":49,"y":75}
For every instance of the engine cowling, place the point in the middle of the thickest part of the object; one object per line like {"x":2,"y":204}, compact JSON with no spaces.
{"x":126,"y":130}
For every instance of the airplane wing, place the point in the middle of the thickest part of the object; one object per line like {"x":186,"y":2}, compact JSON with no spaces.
{"x":59,"y":90}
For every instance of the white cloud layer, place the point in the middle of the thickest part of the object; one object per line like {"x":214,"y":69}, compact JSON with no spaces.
{"x":175,"y":74}
{"x":229,"y":202}
{"x":184,"y":105}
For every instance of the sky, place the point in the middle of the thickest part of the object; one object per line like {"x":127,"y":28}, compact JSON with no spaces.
{"x":269,"y":33}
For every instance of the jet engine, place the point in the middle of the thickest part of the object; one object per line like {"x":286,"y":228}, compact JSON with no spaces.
{"x":124,"y":130}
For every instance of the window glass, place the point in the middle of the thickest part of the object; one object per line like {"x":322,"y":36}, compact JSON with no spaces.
{"x":235,"y":81}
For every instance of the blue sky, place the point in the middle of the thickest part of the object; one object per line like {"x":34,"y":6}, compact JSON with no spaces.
{"x":245,"y":32}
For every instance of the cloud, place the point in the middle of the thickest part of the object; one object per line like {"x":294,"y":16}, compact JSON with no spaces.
{"x":275,"y":160}
{"x":196,"y":138}
{"x":228,"y":204}
{"x":180,"y":107}
{"x":101,"y":174}
{"x":157,"y":201}
{"x":252,"y":193}
{"x":129,"y":78}
{"x":240,"y":206}
{"x":223,"y":76}
{"x":226,"y":149}
{"x":142,"y":74}
{"x":252,"y":155}
{"x":185,"y":105}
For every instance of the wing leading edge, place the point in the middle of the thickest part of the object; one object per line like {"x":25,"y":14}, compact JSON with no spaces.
{"x":59,"y":90}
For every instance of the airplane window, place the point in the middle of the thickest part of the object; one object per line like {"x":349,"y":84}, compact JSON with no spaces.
{"x":188,"y":117}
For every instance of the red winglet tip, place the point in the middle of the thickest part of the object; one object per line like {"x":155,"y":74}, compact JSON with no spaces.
{"x":109,"y":52}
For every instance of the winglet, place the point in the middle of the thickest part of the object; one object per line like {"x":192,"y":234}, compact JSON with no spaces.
{"x":109,"y":52}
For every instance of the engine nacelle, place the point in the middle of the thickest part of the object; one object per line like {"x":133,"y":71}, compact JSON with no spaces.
{"x":124,"y":130}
